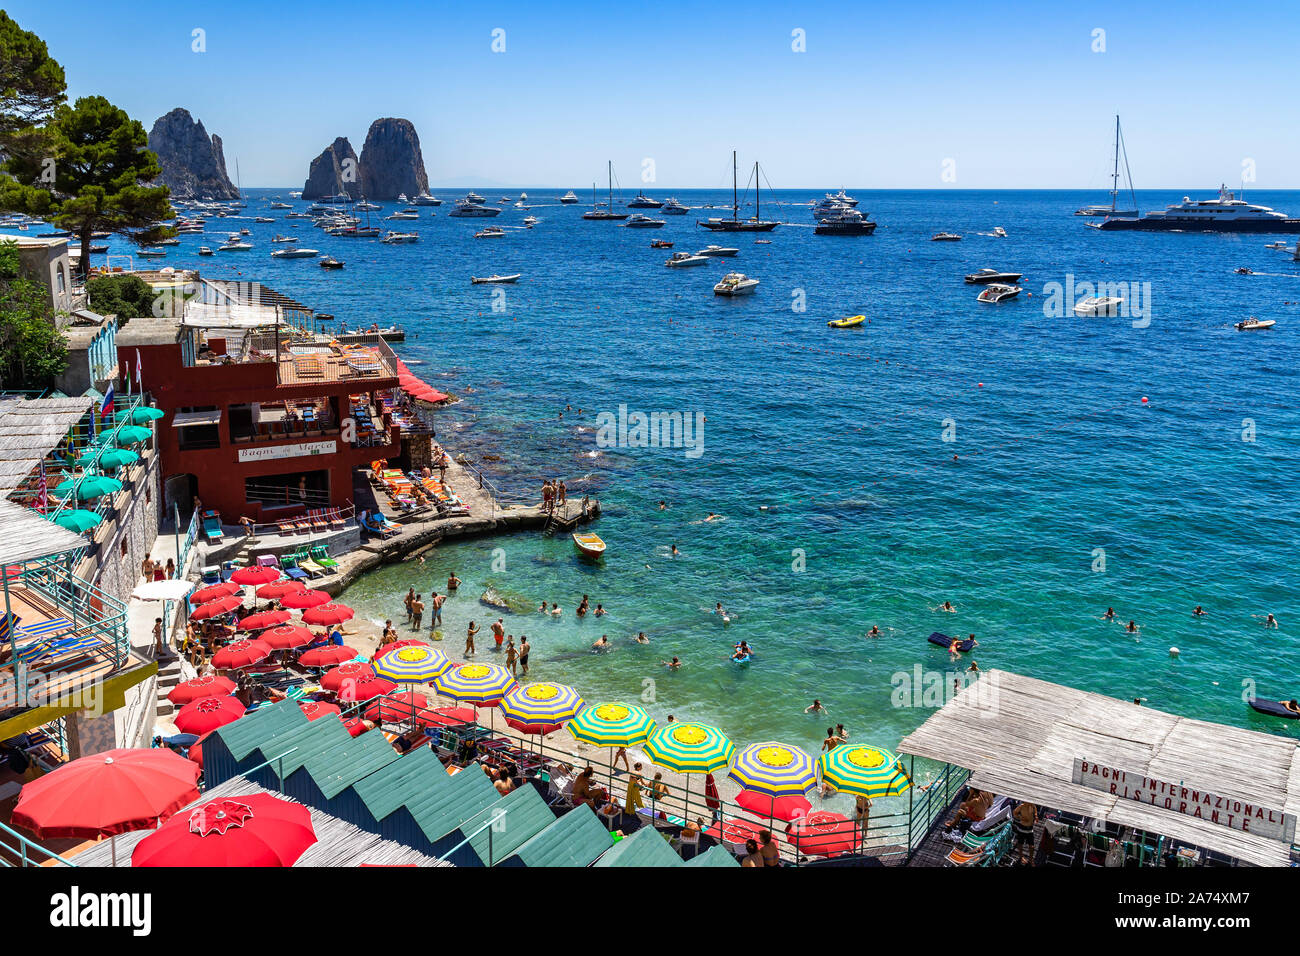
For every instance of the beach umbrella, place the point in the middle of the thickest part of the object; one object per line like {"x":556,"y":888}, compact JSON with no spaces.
{"x":786,"y":808}
{"x":361,"y":689}
{"x":823,"y":833}
{"x":394,"y":645}
{"x":315,"y":709}
{"x":131,"y":434}
{"x":254,"y":830}
{"x":612,"y":725}
{"x":304,"y":599}
{"x":107,"y":793}
{"x":327,"y":656}
{"x":77,"y":519}
{"x":166,"y":589}
{"x":349,"y":672}
{"x":286,"y":637}
{"x":866,"y":771}
{"x":689,"y":748}
{"x":447,"y":716}
{"x":216,"y":608}
{"x":540,"y":708}
{"x":256,"y":575}
{"x":774,"y":769}
{"x":264,"y":619}
{"x":214,"y":591}
{"x":325,"y":615}
{"x":396,"y":709}
{"x":240,"y":654}
{"x":207,"y":714}
{"x":211,"y":685}
{"x":278,"y":589}
{"x":482,"y":685}
{"x":139,"y":415}
{"x":108,"y":458}
{"x":413,"y":664}
{"x":194,"y":751}
{"x":94,"y":486}
{"x":734,"y":832}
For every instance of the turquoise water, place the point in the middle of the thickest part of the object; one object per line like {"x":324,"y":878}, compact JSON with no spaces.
{"x":841,"y":433}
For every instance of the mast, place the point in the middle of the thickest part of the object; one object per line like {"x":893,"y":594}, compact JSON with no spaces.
{"x":611,"y":185}
{"x":757,"y":199}
{"x":1114,"y":178}
{"x":735,"y":201}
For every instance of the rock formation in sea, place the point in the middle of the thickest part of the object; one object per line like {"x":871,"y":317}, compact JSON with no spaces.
{"x":192,"y":162}
{"x":391,"y":161}
{"x":334,"y":170}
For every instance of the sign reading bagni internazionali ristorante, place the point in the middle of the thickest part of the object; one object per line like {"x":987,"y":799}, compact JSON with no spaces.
{"x":1188,"y":801}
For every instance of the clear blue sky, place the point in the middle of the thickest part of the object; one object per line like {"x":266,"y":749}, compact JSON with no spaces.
{"x":885,"y":92}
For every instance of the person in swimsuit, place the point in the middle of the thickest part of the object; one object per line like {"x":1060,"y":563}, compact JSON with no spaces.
{"x":641,"y":638}
{"x":672,"y":665}
{"x":512,"y":655}
{"x":469,"y":639}
{"x":768,"y":849}
{"x":453,"y":582}
{"x":499,"y":632}
{"x":816,"y":707}
{"x":946,"y":606}
{"x":874,"y":632}
{"x":752,"y":856}
{"x":1270,"y":621}
{"x":1198,"y":611}
{"x":524,"y":649}
{"x":1109,"y":615}
{"x":1023,"y":818}
{"x":601,"y":645}
{"x":831,"y":741}
{"x":1131,"y":627}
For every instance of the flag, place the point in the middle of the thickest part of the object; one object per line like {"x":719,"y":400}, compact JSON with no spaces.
{"x":43,"y":492}
{"x":138,"y":383}
{"x":106,"y":407}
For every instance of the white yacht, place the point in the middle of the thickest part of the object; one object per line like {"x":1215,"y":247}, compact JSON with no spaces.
{"x":672,"y":207}
{"x":1227,"y":213}
{"x":280,"y":205}
{"x":684,"y":260}
{"x":1098,"y":305}
{"x":718,"y":251}
{"x":735,"y":283}
{"x":490,"y":232}
{"x":234,"y":245}
{"x":366,"y":206}
{"x":997,"y":292}
{"x":638,"y":221}
{"x":293,"y":252}
{"x":474,"y":197}
{"x":569,"y":198}
{"x":424,"y":199}
{"x":530,"y":221}
{"x":284,"y":239}
{"x":464,"y":209}
{"x":988,"y":276}
{"x":399,"y":238}
{"x":403,"y":214}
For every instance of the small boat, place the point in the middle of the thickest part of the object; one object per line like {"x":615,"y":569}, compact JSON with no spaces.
{"x":403,"y":214}
{"x":638,"y":221}
{"x":491,"y":232}
{"x":673,"y":208}
{"x":682,"y":260}
{"x":661,"y":244}
{"x":245,"y":232}
{"x":234,"y":245}
{"x":1095,"y":305}
{"x":762,"y":242}
{"x":569,"y":198}
{"x":848,"y":323}
{"x":365,"y":206}
{"x":964,"y":645}
{"x":1274,"y":708}
{"x":152,"y":253}
{"x":204,"y":251}
{"x":1243,"y":271}
{"x":293,"y":252}
{"x":734,"y":284}
{"x":999,"y":232}
{"x":985,"y":276}
{"x":643,"y":201}
{"x":1280,"y":244}
{"x":1253,"y":324}
{"x":424,"y":199}
{"x":718,"y":251}
{"x":464,"y":209}
{"x":280,"y":205}
{"x":329,"y":262}
{"x":263,"y":219}
{"x":168,"y":242}
{"x":495,"y":279}
{"x":589,"y":544}
{"x":945,"y":237}
{"x":399,"y":238}
{"x":998,"y":292}
{"x":470,"y":197}
{"x":530,"y":221}
{"x":285,"y":239}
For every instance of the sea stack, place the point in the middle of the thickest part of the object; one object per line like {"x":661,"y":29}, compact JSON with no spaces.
{"x":335,"y":170}
{"x":193,"y":164}
{"x":391,"y":161}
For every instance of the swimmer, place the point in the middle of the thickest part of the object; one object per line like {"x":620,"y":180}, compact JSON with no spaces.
{"x":1292,"y":706}
{"x":721,"y":612}
{"x":874,"y":632}
{"x":453,"y":582}
{"x":946,"y":607}
{"x":602,"y":644}
{"x":1109,"y":615}
{"x":1198,"y":611}
{"x":543,"y":608}
{"x":599,"y":610}
{"x":672,"y":665}
{"x":641,"y":638}
{"x":663,"y":506}
{"x":675,"y":552}
{"x":555,"y":610}
{"x":715,"y":517}
{"x":974,"y":668}
{"x":1270,"y":621}
{"x":742,"y":652}
{"x":816,"y":707}
{"x":1131,"y":627}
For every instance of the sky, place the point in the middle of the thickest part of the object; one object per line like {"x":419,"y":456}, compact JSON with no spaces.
{"x":974,"y":95}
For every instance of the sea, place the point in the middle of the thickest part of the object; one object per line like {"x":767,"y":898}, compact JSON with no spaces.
{"x":1029,"y":466}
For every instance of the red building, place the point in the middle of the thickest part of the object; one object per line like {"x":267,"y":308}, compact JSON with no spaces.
{"x":263,"y":419}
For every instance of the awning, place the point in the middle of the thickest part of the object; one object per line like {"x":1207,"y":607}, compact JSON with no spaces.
{"x":185,"y":419}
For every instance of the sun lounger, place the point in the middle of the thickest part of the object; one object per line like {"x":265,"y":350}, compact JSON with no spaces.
{"x":212,"y":527}
{"x":308,"y":366}
{"x":289,"y":565}
{"x":322,"y":557}
{"x":267,"y":561}
{"x":317,"y":518}
{"x":45,"y":629}
{"x":304,"y":561}
{"x":335,"y":518}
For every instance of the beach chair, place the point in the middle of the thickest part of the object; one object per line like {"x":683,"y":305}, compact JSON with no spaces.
{"x":212,"y":527}
{"x":317,"y":518}
{"x":267,"y":561}
{"x":289,"y":565}
{"x":303,"y":559}
{"x":335,"y":518}
{"x":308,"y":366}
{"x":321,"y":556}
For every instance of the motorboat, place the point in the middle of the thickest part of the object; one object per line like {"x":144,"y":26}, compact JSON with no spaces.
{"x":329,"y":262}
{"x":846,"y":222}
{"x":151,"y":253}
{"x":1280,"y":244}
{"x":683,"y":260}
{"x":424,"y":199}
{"x":401,"y":197}
{"x":672,"y":207}
{"x":945,"y":237}
{"x":471,"y":197}
{"x":279,"y":238}
{"x":841,"y":197}
{"x":280,"y":205}
{"x":403,"y":214}
{"x":1099,"y":305}
{"x":999,"y":232}
{"x":642,"y":201}
{"x":850,"y":322}
{"x":734,"y":284}
{"x":985,"y":276}
{"x":735,"y":223}
{"x":1227,"y":213}
{"x":168,"y":242}
{"x":293,"y":252}
{"x":998,"y":292}
{"x":399,"y":238}
{"x":638,"y":221}
{"x":589,"y":544}
{"x":234,"y":245}
{"x":245,"y":232}
{"x":366,"y":206}
{"x":596,"y":213}
{"x":661,"y":244}
{"x":464,"y":209}
{"x":718,"y":252}
{"x":505,"y":199}
{"x":204,"y":251}
{"x":263,"y":219}
{"x":1253,"y":324}
{"x":491,"y":232}
{"x":495,"y":279}
{"x":569,"y":198}
{"x":530,"y":221}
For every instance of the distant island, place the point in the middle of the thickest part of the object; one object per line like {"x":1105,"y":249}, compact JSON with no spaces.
{"x":391,"y":164}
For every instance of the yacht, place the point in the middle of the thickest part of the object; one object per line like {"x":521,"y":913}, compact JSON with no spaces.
{"x":720,"y":252}
{"x":279,"y":238}
{"x":1095,"y":305}
{"x":366,"y":206}
{"x":147,"y":253}
{"x":204,"y":251}
{"x":471,"y":197}
{"x":735,"y":223}
{"x":280,"y":205}
{"x":424,"y":199}
{"x":329,"y":262}
{"x":642,"y":201}
{"x":986,"y":276}
{"x":596,"y":214}
{"x":234,"y":245}
{"x":399,"y":238}
{"x":841,"y":197}
{"x":530,"y":221}
{"x":403,"y":214}
{"x":638,"y":221}
{"x":401,"y":197}
{"x":293,"y":252}
{"x":1113,"y":209}
{"x":824,"y":208}
{"x":735,"y":283}
{"x":464,"y":209}
{"x":683,"y":260}
{"x":263,"y":219}
{"x":490,"y":232}
{"x":847,"y":222}
{"x":672,"y":207}
{"x":945,"y":237}
{"x":1227,"y":213}
{"x":996,"y":292}
{"x":569,"y":198}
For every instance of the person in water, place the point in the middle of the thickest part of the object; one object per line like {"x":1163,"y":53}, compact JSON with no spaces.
{"x":1199,"y":612}
{"x":453,"y":582}
{"x":601,"y":645}
{"x":874,"y":632}
{"x":742,"y":652}
{"x":672,"y":665}
{"x":947,"y":607}
{"x":641,"y":638}
{"x":600,"y":609}
{"x":1109,"y":615}
{"x":816,"y":707}
{"x":1270,"y":621}
{"x":675,"y":551}
{"x":1131,"y":627}
{"x":1291,"y":705}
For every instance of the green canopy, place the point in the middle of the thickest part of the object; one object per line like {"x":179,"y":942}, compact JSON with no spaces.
{"x":94,"y":486}
{"x":77,"y":519}
{"x":109,"y":458}
{"x":139,"y":415}
{"x":130,"y":434}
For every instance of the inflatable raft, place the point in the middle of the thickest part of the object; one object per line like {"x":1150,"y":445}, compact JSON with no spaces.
{"x":1273,"y":708}
{"x":944,"y":641}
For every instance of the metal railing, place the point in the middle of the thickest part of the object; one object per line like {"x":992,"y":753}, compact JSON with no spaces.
{"x":282,"y":495}
{"x":90,"y":610}
{"x":23,"y":849}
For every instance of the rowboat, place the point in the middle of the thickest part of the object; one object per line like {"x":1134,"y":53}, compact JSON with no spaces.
{"x":847,"y":323}
{"x":493,"y":279}
{"x":589,"y":544}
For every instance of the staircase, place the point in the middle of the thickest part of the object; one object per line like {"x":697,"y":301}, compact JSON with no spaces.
{"x":169,"y":675}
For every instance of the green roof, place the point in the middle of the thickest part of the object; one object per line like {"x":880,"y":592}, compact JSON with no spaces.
{"x":576,"y":839}
{"x":714,"y":856}
{"x":646,"y":847}
{"x":526,"y":815}
{"x":246,"y":734}
{"x":388,"y":788}
{"x":335,"y":769}
{"x":441,"y":812}
{"x":316,"y":737}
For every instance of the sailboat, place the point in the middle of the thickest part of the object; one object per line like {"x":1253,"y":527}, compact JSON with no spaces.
{"x":608,"y":214}
{"x":735,"y":223}
{"x":1111,"y":211}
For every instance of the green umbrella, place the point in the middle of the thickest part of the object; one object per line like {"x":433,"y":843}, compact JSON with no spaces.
{"x":690,"y":748}
{"x":139,"y":415}
{"x":77,"y":519}
{"x":94,"y":486}
{"x":868,"y":771}
{"x":130,"y":434}
{"x":109,"y":458}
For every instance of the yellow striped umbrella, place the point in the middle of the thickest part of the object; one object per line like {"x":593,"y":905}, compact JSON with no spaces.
{"x":540,"y":708}
{"x":690,"y":748}
{"x":774,"y":770}
{"x":866,"y":771}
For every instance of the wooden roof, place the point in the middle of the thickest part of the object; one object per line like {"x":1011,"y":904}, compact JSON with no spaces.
{"x":27,"y":535}
{"x":1021,"y":737}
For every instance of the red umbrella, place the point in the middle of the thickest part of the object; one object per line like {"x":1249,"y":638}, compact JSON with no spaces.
{"x":195,"y":751}
{"x":207,"y":714}
{"x":107,"y":793}
{"x":212,"y":685}
{"x":319,"y":708}
{"x":446,"y":717}
{"x":240,"y":654}
{"x":223,"y":605}
{"x":257,"y":830}
{"x":286,"y":636}
{"x":255,"y":576}
{"x":395,"y":710}
{"x":304,"y":599}
{"x":782,"y":808}
{"x":263,"y":619}
{"x":367,"y":688}
{"x":349,"y":672}
{"x":822,"y":833}
{"x":408,"y":642}
{"x":327,"y":614}
{"x":355,"y":726}
{"x":278,"y":589}
{"x":214,"y":591}
{"x":326,"y":656}
{"x":735,"y":831}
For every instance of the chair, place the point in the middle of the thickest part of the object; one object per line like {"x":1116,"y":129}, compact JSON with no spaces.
{"x":267,"y":561}
{"x":322,"y":557}
{"x":302,"y":558}
{"x":290,"y":567}
{"x":212,"y":527}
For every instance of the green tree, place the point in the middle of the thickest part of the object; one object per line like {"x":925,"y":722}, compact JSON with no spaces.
{"x":126,"y":296}
{"x":31,"y":82}
{"x":100,"y":178}
{"x":33,"y":353}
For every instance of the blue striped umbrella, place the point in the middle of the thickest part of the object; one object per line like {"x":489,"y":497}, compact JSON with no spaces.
{"x":412,"y":664}
{"x":482,"y":685}
{"x":775,"y":770}
{"x":540,"y":708}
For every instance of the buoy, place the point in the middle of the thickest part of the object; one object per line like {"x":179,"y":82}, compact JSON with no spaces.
{"x":1173,"y":652}
{"x":1144,"y":399}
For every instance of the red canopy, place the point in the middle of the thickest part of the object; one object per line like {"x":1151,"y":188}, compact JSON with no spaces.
{"x":305,"y":599}
{"x":214,"y":591}
{"x":736,"y":831}
{"x":240,"y":654}
{"x":822,"y":833}
{"x":319,"y":708}
{"x":278,"y":589}
{"x":366,"y":688}
{"x":222,"y":605}
{"x":782,"y":808}
{"x":195,"y":750}
{"x":355,"y":726}
{"x":257,"y":830}
{"x":263,"y":619}
{"x":396,"y":709}
{"x":286,"y":637}
{"x":351,"y":671}
{"x":107,"y":793}
{"x":207,"y":714}
{"x":327,"y":656}
{"x":212,"y":685}
{"x":255,"y":576}
{"x":447,"y":716}
{"x":327,"y":614}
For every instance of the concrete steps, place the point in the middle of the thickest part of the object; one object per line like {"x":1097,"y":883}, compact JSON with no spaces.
{"x":169,"y":675}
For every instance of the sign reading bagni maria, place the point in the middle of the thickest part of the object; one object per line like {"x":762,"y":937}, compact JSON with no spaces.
{"x":1189,"y":801}
{"x":288,"y":451}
